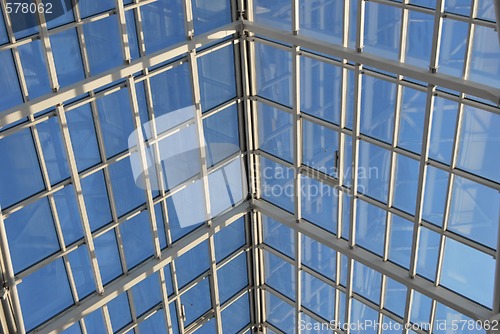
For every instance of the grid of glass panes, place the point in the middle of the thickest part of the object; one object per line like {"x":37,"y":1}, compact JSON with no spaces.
{"x":321,"y":118}
{"x":73,"y":215}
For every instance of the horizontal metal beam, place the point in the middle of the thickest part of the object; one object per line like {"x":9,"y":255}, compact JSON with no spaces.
{"x":139,"y":273}
{"x":121,"y":72}
{"x":440,"y":294}
{"x":438,"y":79}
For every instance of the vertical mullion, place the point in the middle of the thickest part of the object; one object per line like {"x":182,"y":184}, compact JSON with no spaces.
{"x":164,"y":300}
{"x":178,"y":303}
{"x":49,"y":57}
{"x":122,"y":26}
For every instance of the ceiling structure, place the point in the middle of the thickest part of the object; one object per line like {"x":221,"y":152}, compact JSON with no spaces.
{"x":345,"y":168}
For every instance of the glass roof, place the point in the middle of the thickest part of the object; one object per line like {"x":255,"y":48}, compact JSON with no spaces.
{"x":232,"y":166}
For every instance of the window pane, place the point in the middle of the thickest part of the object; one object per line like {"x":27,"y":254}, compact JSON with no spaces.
{"x":146,"y":294}
{"x":9,"y":84}
{"x":96,"y":200}
{"x":209,"y":15}
{"x":370,"y":227}
{"x":275,"y":132}
{"x":154,"y":324}
{"x":233,"y":277}
{"x":280,"y":274}
{"x":452,"y":47}
{"x":361,"y":313}
{"x":279,"y":236}
{"x":373,"y":171}
{"x":89,"y":7}
{"x":443,"y":130}
{"x":127,"y":194}
{"x":277,"y":184}
{"x":366,"y":282}
{"x":428,"y":249}
{"x":411,"y":120}
{"x":320,"y":148}
{"x":53,"y":149}
{"x":318,"y":296}
{"x":382,"y":30}
{"x":395,"y":297}
{"x":280,"y":314}
{"x":319,"y":203}
{"x":275,"y":13}
{"x":67,"y":57}
{"x":400,"y":241}
{"x":421,"y":310}
{"x":485,"y":67}
{"x":106,"y":250}
{"x":322,"y":19}
{"x":69,"y":215}
{"x":229,"y":239}
{"x":192,"y":264}
{"x":406,"y":183}
{"x":82,"y":271}
{"x":119,"y":311}
{"x":137,"y":239}
{"x":35,"y":69}
{"x":436,"y":188}
{"x":419,"y":39}
{"x":236,"y":316}
{"x":319,"y":257}
{"x":196,"y":301}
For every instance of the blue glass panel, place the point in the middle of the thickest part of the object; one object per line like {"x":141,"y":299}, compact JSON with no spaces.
{"x":373,"y":171}
{"x":73,"y":329}
{"x":279,"y":236}
{"x":67,"y":57}
{"x":3,"y":33}
{"x":192,"y":264}
{"x":207,"y":328}
{"x":217,"y":77}
{"x":406,"y":183}
{"x":154,"y":324}
{"x":461,"y":7}
{"x":90,"y":7}
{"x":132,"y":34}
{"x":436,"y":185}
{"x":173,"y":218}
{"x":95,"y":322}
{"x":35,"y":69}
{"x":366,"y":282}
{"x":395,"y":297}
{"x":378,"y":98}
{"x":362,"y":314}
{"x":486,"y":10}
{"x":319,"y":203}
{"x":419,"y":39}
{"x":196,"y":301}
{"x":280,"y":314}
{"x":23,"y":24}
{"x":343,"y":269}
{"x":20,"y":174}
{"x":353,"y":13}
{"x":400,"y":241}
{"x":31,"y":234}
{"x":106,"y":250}
{"x":420,"y":310}
{"x":9,"y":84}
{"x":83,"y":137}
{"x":428,"y":249}
{"x":280,"y":274}
{"x":382,"y":30}
{"x":452,"y":47}
{"x":424,"y":3}
{"x":236,"y":316}
{"x":389,"y":326}
{"x":44,"y":293}
{"x":349,"y":108}
{"x":277,"y":184}
{"x":53,"y":149}
{"x":370,"y":227}
{"x":162,"y":24}
{"x":221,"y":135}
{"x":127,"y":194}
{"x":146,"y":294}
{"x":461,"y":267}
{"x":160,"y":225}
{"x":274,"y":73}
{"x":210,"y":14}
{"x":347,"y":165}
{"x":96,"y":200}
{"x":275,"y":131}
{"x":320,"y":88}
{"x":443,"y":130}
{"x":485,"y":67}
{"x":318,"y":296}
{"x":119,"y":311}
{"x":82,"y":271}
{"x":168,"y":279}
{"x":173,"y":318}
{"x":411,"y":120}
{"x":103,"y":44}
{"x":319,"y":257}
{"x":61,"y":14}
{"x":275,"y":13}
{"x":320,"y":148}
{"x":478,"y":149}
{"x":308,"y":325}
{"x":346,"y":215}
{"x":323,"y":20}
{"x":229,"y":239}
{"x":474,"y":211}
{"x":442,"y":324}
{"x":137,"y":239}
{"x":233,"y":277}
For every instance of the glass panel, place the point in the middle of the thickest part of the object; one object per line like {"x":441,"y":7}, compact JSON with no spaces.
{"x":96,"y":200}
{"x":119,"y":312}
{"x":44,"y":293}
{"x":373,"y":171}
{"x":320,"y":86}
{"x":221,"y":135}
{"x":233,"y":277}
{"x":160,"y":225}
{"x":280,"y":314}
{"x":89,"y":7}
{"x":137,"y":239}
{"x":443,"y":130}
{"x":53,"y":149}
{"x":323,"y":19}
{"x":277,"y":184}
{"x":370,"y":227}
{"x":395,"y":297}
{"x":23,"y":24}
{"x":366,"y":282}
{"x":452,"y":47}
{"x":68,"y":213}
{"x":67,"y":57}
{"x":275,"y":13}
{"x":320,"y":148}
{"x":125,"y":190}
{"x":420,"y":310}
{"x":445,"y":317}
{"x":280,"y":274}
{"x":216,"y":77}
{"x":236,"y":316}
{"x":95,"y":322}
{"x":31,"y":234}
{"x":173,"y":318}
{"x":428,"y":249}
{"x":361,"y":314}
{"x":196,"y":301}
{"x":411,"y":120}
{"x":162,"y":24}
{"x":319,"y":203}
{"x":35,"y":69}
{"x":154,"y":324}
{"x":474,"y":211}
{"x":61,"y":14}
{"x":461,"y":7}
{"x":274,"y":73}
{"x":278,"y":236}
{"x":192,"y":264}
{"x":9,"y":84}
{"x":486,"y":10}
{"x":209,"y":15}
{"x":168,"y":279}
{"x":20,"y":174}
{"x":229,"y":239}
{"x":226,"y":187}
{"x":308,"y":325}
{"x":275,"y":132}
{"x":424,"y":3}
{"x":479,"y":138}
{"x":3,"y":33}
{"x":146,"y":294}
{"x":461,"y":265}
{"x":382,"y":30}
{"x":73,"y":329}
{"x":177,"y":209}
{"x":436,"y":188}
{"x":106,"y":250}
{"x":378,"y":98}
{"x":419,"y":39}
{"x":400,"y":241}
{"x":319,"y":257}
{"x":82,"y":271}
{"x":406,"y":183}
{"x":485,"y":67}
{"x":132,"y":34}
{"x":103,"y":43}
{"x":318,"y":296}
